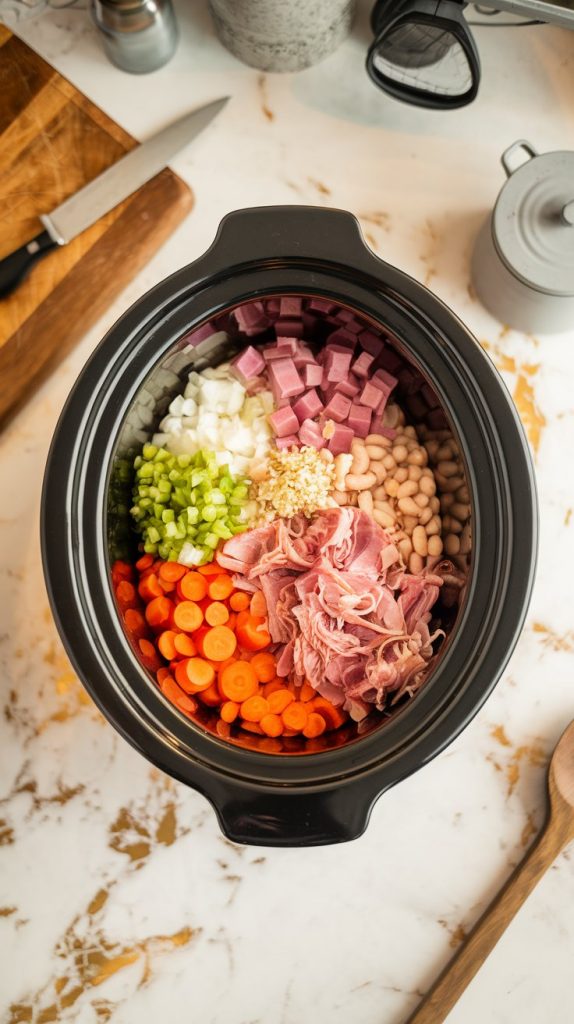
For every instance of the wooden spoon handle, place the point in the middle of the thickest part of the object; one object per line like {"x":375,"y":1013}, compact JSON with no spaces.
{"x":449,"y":986}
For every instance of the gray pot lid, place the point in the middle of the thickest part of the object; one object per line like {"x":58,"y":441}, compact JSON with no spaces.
{"x":533,"y":221}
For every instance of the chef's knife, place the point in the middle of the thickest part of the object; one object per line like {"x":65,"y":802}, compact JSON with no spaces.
{"x":103,"y":193}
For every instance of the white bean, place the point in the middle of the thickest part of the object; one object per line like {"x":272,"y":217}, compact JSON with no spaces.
{"x":421,"y":500}
{"x":427,"y":485}
{"x":366,"y":502}
{"x":462,"y":494}
{"x":341,"y":497}
{"x":405,"y":548}
{"x":391,"y":486}
{"x":326,"y":455}
{"x":380,"y":494}
{"x":452,"y":544}
{"x":460,"y":511}
{"x":383,"y":518}
{"x":389,"y":462}
{"x":343,"y":463}
{"x":409,"y":523}
{"x":416,"y":563}
{"x":466,"y":540}
{"x":446,"y":500}
{"x":360,"y":463}
{"x":452,"y":525}
{"x":360,"y":481}
{"x":433,"y":526}
{"x":425,"y":516}
{"x":417,"y":457}
{"x":408,"y":506}
{"x":435,"y":504}
{"x":407,"y":489}
{"x":449,"y":486}
{"x":379,"y":470}
{"x":420,"y":541}
{"x":400,"y":453}
{"x":401,"y":475}
{"x":435,"y":546}
{"x":380,"y":439}
{"x":415,"y":472}
{"x":375,"y":451}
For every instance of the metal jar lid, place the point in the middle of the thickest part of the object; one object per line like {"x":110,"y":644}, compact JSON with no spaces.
{"x":533,"y":220}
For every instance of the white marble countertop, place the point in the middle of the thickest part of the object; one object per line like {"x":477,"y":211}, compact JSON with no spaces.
{"x":120,"y":899}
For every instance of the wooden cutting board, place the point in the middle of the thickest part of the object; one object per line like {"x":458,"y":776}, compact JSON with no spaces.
{"x":53,"y":141}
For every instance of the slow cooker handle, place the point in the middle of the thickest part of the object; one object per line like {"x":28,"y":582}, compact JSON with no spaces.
{"x":289,"y":232}
{"x":293,"y":819}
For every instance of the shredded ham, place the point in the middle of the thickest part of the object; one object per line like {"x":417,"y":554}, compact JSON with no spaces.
{"x":343,"y":610}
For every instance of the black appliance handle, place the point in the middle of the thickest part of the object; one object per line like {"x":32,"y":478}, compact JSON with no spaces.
{"x":258,"y":818}
{"x":298,"y":232}
{"x":15,"y":267}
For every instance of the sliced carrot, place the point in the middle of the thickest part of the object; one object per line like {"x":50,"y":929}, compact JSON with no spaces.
{"x":121,"y":571}
{"x":211,"y":696}
{"x":229,"y":711}
{"x":158,"y":612}
{"x":184,"y":645}
{"x":307,"y":692}
{"x":264,"y":667}
{"x":272,"y":725}
{"x":232,"y":621}
{"x":279,"y":700}
{"x":135,"y":622}
{"x":198,"y":638}
{"x":314,"y":726}
{"x":194,"y":675}
{"x":269,"y":688}
{"x":149,"y":587}
{"x":238,"y":681}
{"x":211,"y":569}
{"x":295,"y":716}
{"x":161,"y":674}
{"x":223,"y":729}
{"x":219,"y":643}
{"x":171,"y":572}
{"x":216,"y":614}
{"x":252,"y":727}
{"x":270,"y":745}
{"x":187,"y":616}
{"x":334,"y":717}
{"x":166,"y":644}
{"x":175,"y":694}
{"x":167,"y":586}
{"x":253,"y":709}
{"x":192,"y":587}
{"x":149,"y":655}
{"x":220,"y":588}
{"x":258,"y":605}
{"x":251,"y":633}
{"x":239,"y":601}
{"x":144,"y":562}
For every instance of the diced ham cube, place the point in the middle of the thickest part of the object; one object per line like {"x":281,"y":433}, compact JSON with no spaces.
{"x":348,"y":319}
{"x":362,"y":364}
{"x":370,"y":396}
{"x":287,"y":442}
{"x":272,"y":352}
{"x":389,"y":360}
{"x":285,"y":378}
{"x":383,"y":380}
{"x":341,"y":439}
{"x":302,"y":355}
{"x":343,"y":337}
{"x":308,"y":406}
{"x":347,"y":387}
{"x":284,"y":421}
{"x":289,"y":345}
{"x":289,"y":328}
{"x":359,"y":420}
{"x":378,"y":427}
{"x":309,"y":323}
{"x":248,"y":364}
{"x":251,"y":317}
{"x":338,"y":408}
{"x":272,"y":305}
{"x":310,"y":434}
{"x":371,"y":342}
{"x":312,"y":374}
{"x":337,"y":365}
{"x":290,"y":306}
{"x":317,"y":305}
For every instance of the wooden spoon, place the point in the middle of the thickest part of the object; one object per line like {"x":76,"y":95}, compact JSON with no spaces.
{"x":557,"y":832}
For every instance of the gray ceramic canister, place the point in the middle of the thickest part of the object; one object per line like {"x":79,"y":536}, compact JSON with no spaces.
{"x":282,"y":35}
{"x":523,"y":261}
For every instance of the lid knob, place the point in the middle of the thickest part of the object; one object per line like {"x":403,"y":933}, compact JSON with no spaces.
{"x":568,"y":213}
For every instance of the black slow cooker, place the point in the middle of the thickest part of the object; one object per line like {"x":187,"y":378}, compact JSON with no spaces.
{"x":308,"y":798}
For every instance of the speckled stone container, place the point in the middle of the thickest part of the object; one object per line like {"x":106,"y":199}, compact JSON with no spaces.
{"x":282,"y":35}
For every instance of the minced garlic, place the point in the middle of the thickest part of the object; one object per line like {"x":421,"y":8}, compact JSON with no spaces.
{"x":297,"y":480}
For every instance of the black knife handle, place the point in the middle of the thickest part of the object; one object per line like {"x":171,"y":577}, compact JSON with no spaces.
{"x":13,"y":268}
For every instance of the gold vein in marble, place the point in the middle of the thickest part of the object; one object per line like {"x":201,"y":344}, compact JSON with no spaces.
{"x":555,"y":641}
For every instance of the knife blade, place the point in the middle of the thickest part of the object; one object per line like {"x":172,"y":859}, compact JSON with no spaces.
{"x":102,"y":194}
